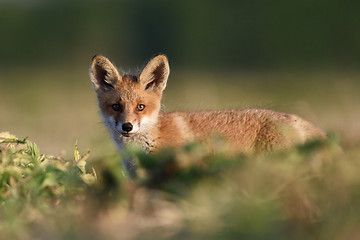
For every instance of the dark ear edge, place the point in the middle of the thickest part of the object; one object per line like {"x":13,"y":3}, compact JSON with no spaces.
{"x":155,"y":74}
{"x":103,"y":73}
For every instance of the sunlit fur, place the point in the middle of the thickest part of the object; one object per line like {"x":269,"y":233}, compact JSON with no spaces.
{"x":248,"y":130}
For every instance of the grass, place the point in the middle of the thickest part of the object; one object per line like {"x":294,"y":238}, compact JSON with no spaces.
{"x":311,"y":192}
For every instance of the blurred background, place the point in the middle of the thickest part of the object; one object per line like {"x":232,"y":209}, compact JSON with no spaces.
{"x":297,"y":56}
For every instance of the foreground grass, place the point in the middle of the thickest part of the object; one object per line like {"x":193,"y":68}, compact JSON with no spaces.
{"x":312,"y":192}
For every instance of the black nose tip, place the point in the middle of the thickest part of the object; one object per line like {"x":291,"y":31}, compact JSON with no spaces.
{"x":127,"y":127}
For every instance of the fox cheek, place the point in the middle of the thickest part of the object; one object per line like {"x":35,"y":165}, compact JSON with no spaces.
{"x":111,"y":122}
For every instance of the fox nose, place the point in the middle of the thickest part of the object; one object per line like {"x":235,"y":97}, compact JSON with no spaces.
{"x":127,"y":127}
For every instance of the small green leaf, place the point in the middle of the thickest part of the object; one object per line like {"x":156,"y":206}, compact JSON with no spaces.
{"x":81,"y":165}
{"x":34,"y":152}
{"x":6,"y":137}
{"x":88,"y":178}
{"x":77,"y":155}
{"x":80,"y":160}
{"x":50,"y":181}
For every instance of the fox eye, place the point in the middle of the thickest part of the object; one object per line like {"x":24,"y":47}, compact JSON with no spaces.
{"x":140,"y":107}
{"x":116,"y":107}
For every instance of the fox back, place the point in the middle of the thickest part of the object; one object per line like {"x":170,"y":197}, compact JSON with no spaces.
{"x":130,"y":107}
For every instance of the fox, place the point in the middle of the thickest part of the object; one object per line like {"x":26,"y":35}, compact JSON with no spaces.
{"x":130,"y":106}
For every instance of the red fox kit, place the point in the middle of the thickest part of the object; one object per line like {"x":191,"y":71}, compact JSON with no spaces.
{"x":130,"y":108}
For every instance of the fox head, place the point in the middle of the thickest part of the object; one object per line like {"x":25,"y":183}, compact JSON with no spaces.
{"x":129,"y":104}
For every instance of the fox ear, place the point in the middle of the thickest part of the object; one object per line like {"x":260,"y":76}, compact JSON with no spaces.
{"x":154,"y":76}
{"x":103,"y":73}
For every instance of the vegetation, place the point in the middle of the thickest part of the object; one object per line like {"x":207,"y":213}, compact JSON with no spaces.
{"x":311,"y":192}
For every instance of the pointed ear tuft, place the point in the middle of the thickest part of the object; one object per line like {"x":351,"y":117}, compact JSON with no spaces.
{"x":154,"y":76}
{"x":103,"y":73}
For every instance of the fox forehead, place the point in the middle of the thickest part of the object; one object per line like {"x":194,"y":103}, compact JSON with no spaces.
{"x":128,"y":89}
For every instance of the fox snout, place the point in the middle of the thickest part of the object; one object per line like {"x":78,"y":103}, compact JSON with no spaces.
{"x":127,"y":127}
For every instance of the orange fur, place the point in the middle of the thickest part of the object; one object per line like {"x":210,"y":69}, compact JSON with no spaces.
{"x":138,"y":100}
